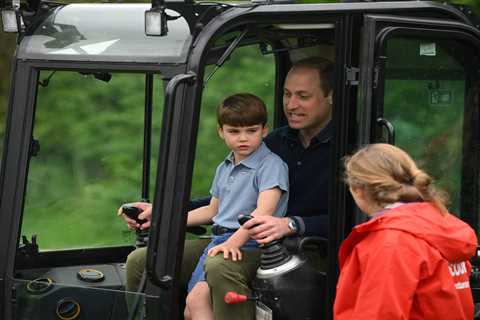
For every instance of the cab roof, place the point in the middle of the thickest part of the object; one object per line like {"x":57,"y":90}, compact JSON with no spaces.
{"x":115,"y":32}
{"x":105,"y":32}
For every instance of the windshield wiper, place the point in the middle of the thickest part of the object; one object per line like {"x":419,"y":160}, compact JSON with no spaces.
{"x":226,"y":54}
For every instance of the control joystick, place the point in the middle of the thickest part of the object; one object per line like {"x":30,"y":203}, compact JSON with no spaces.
{"x":132,"y":212}
{"x":244,"y":218}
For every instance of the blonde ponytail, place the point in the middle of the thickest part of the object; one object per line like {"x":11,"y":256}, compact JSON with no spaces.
{"x":388,"y":174}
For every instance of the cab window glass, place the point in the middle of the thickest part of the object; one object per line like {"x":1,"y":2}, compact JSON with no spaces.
{"x":425,"y":99}
{"x":247,"y":70}
{"x":90,"y":137}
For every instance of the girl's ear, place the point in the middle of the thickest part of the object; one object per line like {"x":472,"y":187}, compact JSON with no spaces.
{"x":356,"y":192}
{"x":220,"y":132}
{"x":364,"y":200}
{"x":363,"y":194}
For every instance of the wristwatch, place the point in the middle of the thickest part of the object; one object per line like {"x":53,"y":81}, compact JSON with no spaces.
{"x":292,"y":225}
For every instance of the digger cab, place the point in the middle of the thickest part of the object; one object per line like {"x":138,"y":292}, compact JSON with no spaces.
{"x":111,"y":103}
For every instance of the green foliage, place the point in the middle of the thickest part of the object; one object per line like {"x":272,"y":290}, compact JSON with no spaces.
{"x":475,"y":4}
{"x":246,"y":71}
{"x":91,"y":141}
{"x":91,"y":136}
{"x":425,"y":99}
{"x":6,"y":54}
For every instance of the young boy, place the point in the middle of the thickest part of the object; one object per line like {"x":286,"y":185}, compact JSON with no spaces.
{"x":251,"y":180}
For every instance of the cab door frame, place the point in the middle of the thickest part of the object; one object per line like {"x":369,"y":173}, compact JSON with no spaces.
{"x":168,"y":223}
{"x":16,"y":159}
{"x":13,"y":177}
{"x":377,"y":30}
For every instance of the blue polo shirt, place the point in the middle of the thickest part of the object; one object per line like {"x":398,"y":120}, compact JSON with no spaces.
{"x":308,"y":170}
{"x":237,"y":186}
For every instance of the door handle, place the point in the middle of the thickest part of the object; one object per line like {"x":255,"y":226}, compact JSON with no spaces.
{"x":384,"y":123}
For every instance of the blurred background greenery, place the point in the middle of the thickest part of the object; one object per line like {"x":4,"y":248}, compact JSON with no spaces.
{"x":91,"y":134}
{"x":91,"y":140}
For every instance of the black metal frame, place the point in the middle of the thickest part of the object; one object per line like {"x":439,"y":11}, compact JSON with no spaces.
{"x":352,"y":119}
{"x":166,"y":229}
{"x":15,"y":166}
{"x":16,"y":158}
{"x":383,"y":28}
{"x":387,"y":27}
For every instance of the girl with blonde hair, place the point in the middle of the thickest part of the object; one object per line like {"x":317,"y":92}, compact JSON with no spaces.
{"x":411,"y":259}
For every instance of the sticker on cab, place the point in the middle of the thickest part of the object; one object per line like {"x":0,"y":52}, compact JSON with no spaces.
{"x":428,"y":49}
{"x":263,"y":312}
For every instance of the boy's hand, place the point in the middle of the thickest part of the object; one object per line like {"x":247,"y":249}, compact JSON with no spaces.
{"x":229,"y":251}
{"x":146,"y":214}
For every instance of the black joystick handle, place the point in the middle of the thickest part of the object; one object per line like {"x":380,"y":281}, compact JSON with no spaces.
{"x":244,"y":218}
{"x":133,"y":212}
{"x":274,"y":253}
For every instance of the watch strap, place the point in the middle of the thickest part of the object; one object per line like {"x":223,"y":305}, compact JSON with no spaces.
{"x":299,"y":223}
{"x":293,"y":224}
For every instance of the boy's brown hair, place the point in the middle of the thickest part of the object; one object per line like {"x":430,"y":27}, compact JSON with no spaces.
{"x":242,"y":110}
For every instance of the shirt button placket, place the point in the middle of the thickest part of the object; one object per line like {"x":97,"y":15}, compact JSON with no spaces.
{"x":299,"y":159}
{"x":231,"y":177}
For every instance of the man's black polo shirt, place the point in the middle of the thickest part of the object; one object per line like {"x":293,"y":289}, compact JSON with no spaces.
{"x":308,"y":173}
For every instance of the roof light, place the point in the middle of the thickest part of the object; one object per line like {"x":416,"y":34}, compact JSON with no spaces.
{"x":156,"y":22}
{"x":11,"y":20}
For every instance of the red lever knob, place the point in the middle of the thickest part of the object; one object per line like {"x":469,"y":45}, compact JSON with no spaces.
{"x":232,"y":297}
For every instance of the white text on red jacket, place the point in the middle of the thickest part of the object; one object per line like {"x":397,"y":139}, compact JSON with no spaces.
{"x":459,"y":271}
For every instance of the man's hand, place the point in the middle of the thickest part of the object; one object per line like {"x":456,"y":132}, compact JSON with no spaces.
{"x":229,"y":250}
{"x":265,"y":228}
{"x":146,"y":214}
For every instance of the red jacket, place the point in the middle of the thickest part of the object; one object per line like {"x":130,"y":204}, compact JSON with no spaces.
{"x":409,"y":263}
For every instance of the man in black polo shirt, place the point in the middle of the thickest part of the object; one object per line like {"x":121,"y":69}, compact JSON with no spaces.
{"x":305,"y":146}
